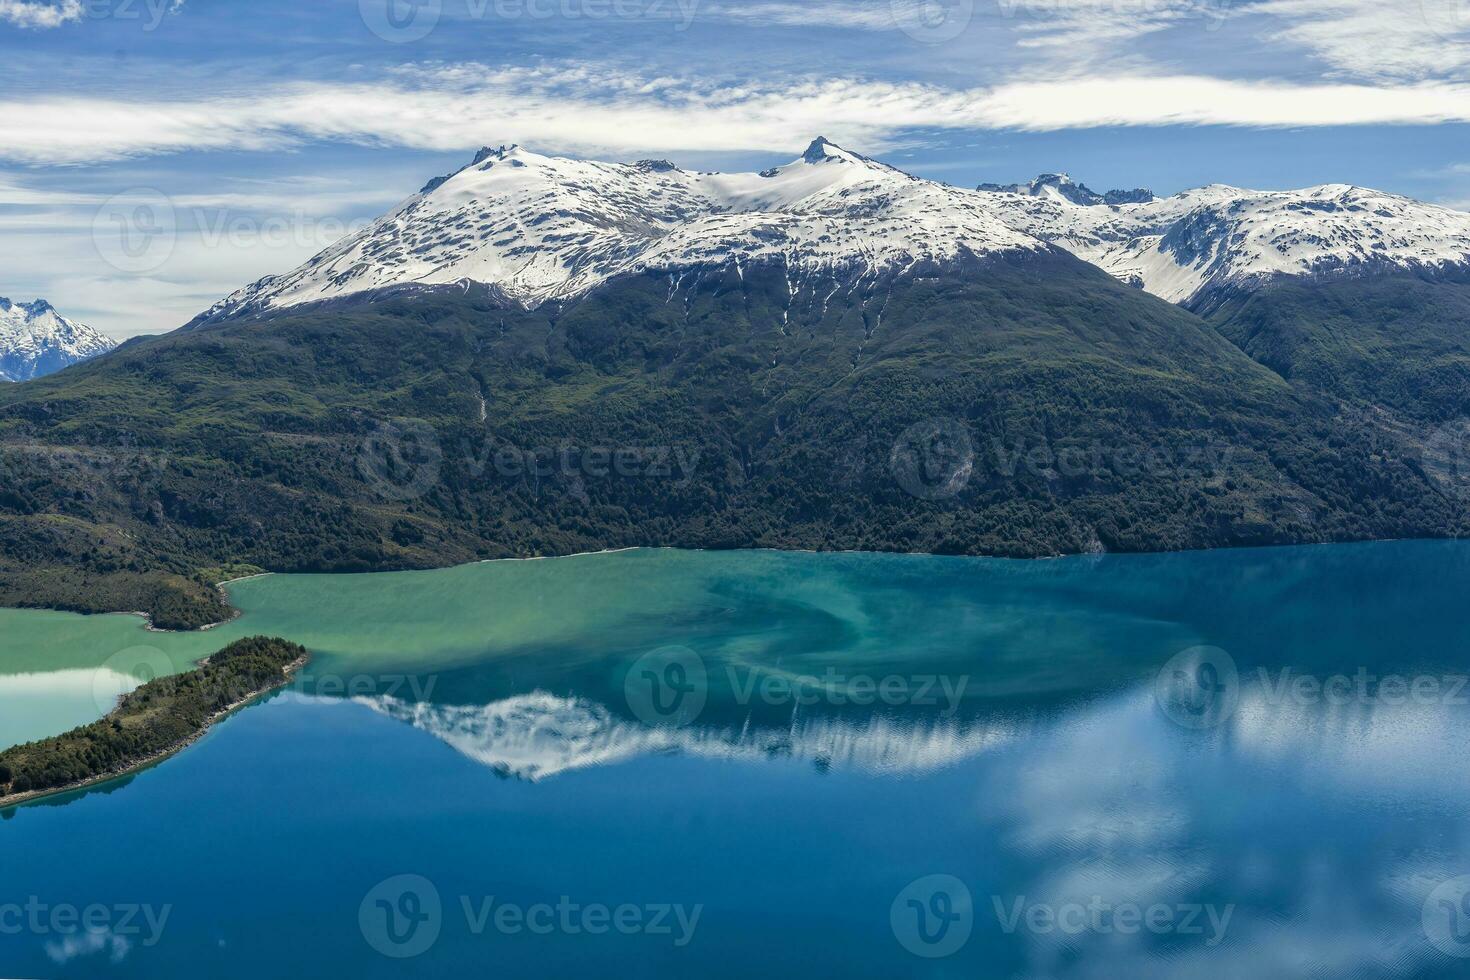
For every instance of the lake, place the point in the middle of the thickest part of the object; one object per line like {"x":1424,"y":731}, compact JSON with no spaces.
{"x":673,"y":764}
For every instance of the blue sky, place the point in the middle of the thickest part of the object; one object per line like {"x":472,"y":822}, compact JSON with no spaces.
{"x":257,"y":132}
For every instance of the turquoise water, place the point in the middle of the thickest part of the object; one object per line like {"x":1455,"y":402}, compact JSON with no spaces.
{"x":664,"y":764}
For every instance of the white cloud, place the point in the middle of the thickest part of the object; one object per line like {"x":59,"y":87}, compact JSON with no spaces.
{"x":1196,"y":100}
{"x":229,"y":232}
{"x":1414,"y":39}
{"x":1368,"y":39}
{"x":861,"y":15}
{"x":68,"y":948}
{"x":592,"y":111}
{"x":34,"y":13}
{"x":1096,"y":24}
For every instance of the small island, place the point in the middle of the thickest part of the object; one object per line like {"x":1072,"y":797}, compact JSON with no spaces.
{"x":153,"y":722}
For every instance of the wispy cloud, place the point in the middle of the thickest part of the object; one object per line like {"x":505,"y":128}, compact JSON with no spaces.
{"x":38,"y":14}
{"x":1365,"y":39}
{"x":1415,"y":39}
{"x":590,"y":110}
{"x":68,"y":948}
{"x":1093,"y":25}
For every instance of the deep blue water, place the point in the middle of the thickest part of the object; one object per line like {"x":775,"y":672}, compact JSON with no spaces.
{"x":1102,"y":802}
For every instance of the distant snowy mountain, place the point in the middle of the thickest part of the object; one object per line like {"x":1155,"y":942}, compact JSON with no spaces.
{"x":543,"y":228}
{"x":1063,"y":188}
{"x":1185,"y":246}
{"x":535,"y":228}
{"x":35,"y":340}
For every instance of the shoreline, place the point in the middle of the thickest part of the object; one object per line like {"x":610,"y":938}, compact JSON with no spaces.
{"x":31,"y":796}
{"x":1059,"y":556}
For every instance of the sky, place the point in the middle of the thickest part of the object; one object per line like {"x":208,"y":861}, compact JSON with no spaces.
{"x":156,"y":155}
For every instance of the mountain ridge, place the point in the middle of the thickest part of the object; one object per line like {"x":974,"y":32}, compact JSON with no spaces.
{"x":36,"y":340}
{"x":545,"y":229}
{"x":1187,"y":246}
{"x":841,"y":356}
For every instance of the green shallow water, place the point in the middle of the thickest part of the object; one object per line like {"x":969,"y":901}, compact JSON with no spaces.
{"x":1017,"y":629}
{"x":1035,"y":625}
{"x":505,"y":736}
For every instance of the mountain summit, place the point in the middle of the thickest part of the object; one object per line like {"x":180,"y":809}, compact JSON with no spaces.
{"x":540,"y":228}
{"x":36,"y":340}
{"x":1189,"y":247}
{"x":533,"y":229}
{"x":831,"y":354}
{"x":1063,"y":187}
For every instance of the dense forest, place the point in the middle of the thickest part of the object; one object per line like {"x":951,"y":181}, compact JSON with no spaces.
{"x":1016,"y":407}
{"x":158,"y":717}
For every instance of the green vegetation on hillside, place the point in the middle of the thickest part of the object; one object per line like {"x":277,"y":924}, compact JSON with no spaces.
{"x":1397,"y":341}
{"x":1022,"y":408}
{"x":157,"y":718}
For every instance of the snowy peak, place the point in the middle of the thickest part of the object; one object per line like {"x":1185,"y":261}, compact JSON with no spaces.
{"x":1190,"y":244}
{"x":535,"y":229}
{"x":822,"y":150}
{"x":1061,"y":187}
{"x":35,"y":340}
{"x":544,"y":228}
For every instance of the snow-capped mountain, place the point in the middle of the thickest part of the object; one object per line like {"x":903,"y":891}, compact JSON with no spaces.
{"x":537,"y":228}
{"x":36,"y":340}
{"x":543,"y":228}
{"x":539,"y":735}
{"x":1062,"y":187}
{"x":1185,"y":246}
